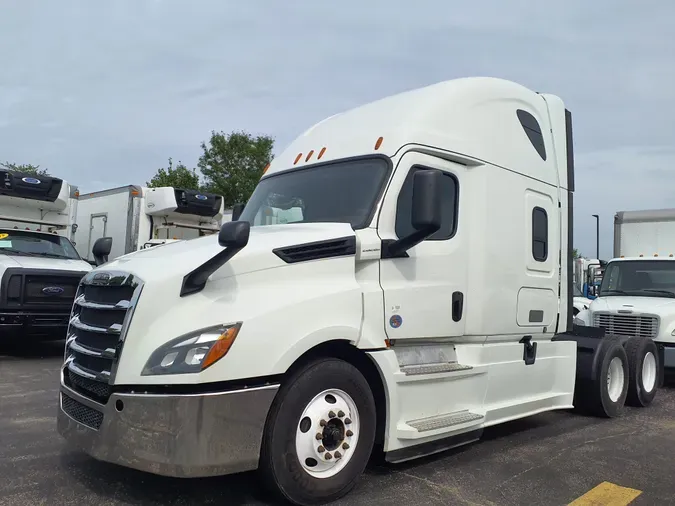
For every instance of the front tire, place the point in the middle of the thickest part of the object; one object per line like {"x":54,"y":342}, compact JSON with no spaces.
{"x":643,"y":365}
{"x":319,"y":433}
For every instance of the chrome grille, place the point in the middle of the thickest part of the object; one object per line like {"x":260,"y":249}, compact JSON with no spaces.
{"x":628,"y":324}
{"x":101,"y":313}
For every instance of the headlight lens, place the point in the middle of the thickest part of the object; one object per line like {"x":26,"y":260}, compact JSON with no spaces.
{"x":193,"y":352}
{"x":579,"y":321}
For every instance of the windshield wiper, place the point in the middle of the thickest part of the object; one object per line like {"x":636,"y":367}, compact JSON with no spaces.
{"x":17,"y":252}
{"x":613,"y":292}
{"x":663,"y":292}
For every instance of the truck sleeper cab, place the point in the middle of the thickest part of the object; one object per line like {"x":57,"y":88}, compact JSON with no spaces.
{"x":418,"y":290}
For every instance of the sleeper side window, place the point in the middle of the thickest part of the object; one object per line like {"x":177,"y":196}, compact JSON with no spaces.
{"x":539,"y":234}
{"x":450,"y":192}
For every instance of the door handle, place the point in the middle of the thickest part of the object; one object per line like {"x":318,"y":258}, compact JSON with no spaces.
{"x":457,"y":306}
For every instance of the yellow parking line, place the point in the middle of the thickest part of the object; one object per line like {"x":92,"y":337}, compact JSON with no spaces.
{"x":607,"y":494}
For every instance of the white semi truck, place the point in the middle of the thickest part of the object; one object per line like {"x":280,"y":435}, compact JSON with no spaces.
{"x":637,"y":294}
{"x":137,"y":217}
{"x":418,"y":291}
{"x":40,"y":269}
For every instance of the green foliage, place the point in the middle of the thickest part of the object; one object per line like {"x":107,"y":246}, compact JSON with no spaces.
{"x":27,"y":168}
{"x":232,"y":164}
{"x":575,"y":253}
{"x":178,"y":177}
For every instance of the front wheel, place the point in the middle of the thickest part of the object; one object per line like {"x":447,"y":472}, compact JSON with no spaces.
{"x":319,"y":434}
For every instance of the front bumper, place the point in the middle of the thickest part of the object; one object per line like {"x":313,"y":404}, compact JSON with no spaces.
{"x":172,"y":435}
{"x":38,"y":326}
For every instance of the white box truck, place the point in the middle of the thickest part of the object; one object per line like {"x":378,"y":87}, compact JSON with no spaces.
{"x":637,"y":294}
{"x":137,"y":217}
{"x":40,"y":269}
{"x":418,"y":291}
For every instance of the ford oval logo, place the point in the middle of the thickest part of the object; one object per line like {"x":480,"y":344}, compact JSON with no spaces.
{"x":31,"y":180}
{"x":201,"y":197}
{"x":52,"y":290}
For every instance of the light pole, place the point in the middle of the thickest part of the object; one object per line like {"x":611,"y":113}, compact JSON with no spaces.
{"x":597,"y":236}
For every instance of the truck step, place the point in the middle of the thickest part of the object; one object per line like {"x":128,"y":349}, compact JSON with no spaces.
{"x":416,"y":370}
{"x":444,"y":421}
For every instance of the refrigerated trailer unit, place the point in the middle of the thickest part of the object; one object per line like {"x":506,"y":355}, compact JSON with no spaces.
{"x":138,"y":218}
{"x":416,"y":289}
{"x":39,"y":266}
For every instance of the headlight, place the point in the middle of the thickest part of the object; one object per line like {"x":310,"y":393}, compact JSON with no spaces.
{"x":579,"y":321}
{"x":192,"y":352}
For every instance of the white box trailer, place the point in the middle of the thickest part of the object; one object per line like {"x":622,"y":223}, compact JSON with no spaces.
{"x":136,"y":217}
{"x":648,"y":233}
{"x":419,"y":291}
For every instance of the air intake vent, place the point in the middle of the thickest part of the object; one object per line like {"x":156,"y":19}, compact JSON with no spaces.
{"x":344,"y":246}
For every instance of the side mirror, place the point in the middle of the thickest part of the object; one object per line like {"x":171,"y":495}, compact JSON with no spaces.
{"x":101,"y":249}
{"x":234,"y":234}
{"x":426,"y":204}
{"x":237,"y":209}
{"x":426,"y":213}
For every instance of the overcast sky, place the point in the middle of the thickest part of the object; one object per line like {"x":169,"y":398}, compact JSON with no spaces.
{"x":103,"y":92}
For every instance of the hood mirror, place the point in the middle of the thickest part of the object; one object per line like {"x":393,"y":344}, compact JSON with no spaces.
{"x":237,"y":209}
{"x":101,"y":250}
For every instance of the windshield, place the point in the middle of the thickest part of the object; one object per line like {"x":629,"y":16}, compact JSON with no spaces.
{"x":341,"y":192}
{"x":576,"y":291}
{"x":26,"y":243}
{"x":644,"y":278}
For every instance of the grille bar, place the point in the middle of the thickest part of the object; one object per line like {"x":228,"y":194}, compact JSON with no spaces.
{"x":115,"y":328}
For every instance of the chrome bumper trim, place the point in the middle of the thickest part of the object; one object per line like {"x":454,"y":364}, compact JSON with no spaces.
{"x":183,"y":436}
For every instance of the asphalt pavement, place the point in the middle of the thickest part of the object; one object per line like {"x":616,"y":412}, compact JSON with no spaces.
{"x":550,"y":459}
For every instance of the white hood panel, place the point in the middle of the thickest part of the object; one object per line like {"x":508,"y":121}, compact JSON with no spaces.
{"x":28,"y":262}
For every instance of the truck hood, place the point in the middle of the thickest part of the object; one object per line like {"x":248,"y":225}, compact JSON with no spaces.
{"x":182,"y":257}
{"x":652,"y":305}
{"x":27,"y":262}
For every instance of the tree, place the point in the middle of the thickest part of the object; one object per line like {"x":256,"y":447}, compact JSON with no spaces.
{"x":26,"y":168}
{"x":232,"y":164}
{"x":575,"y":253}
{"x":179,"y":177}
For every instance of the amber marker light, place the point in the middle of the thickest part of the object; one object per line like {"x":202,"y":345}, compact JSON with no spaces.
{"x":221,"y":346}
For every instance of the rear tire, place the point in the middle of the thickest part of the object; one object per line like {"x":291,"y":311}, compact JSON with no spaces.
{"x":643,"y":364}
{"x":329,"y":398}
{"x":605,"y":395}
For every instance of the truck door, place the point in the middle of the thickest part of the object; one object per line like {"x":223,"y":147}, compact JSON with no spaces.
{"x":97,"y":229}
{"x":425,"y":294}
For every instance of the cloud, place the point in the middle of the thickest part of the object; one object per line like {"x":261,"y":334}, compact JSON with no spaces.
{"x":103,"y":93}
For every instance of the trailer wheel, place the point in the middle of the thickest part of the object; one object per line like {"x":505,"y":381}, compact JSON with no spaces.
{"x":643,"y":365}
{"x":605,"y":396}
{"x":319,"y":434}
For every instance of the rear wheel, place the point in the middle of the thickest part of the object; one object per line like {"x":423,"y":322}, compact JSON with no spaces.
{"x":319,"y":434}
{"x":643,"y":365}
{"x":606,"y":394}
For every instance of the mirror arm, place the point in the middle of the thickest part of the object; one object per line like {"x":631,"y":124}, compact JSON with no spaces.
{"x":398,"y":248}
